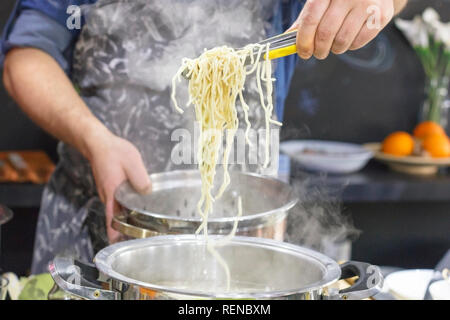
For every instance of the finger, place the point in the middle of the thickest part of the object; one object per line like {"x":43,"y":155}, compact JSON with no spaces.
{"x":113,"y":235}
{"x":329,"y":27}
{"x":349,"y":31}
{"x":364,"y":37}
{"x":377,"y":20}
{"x":111,"y":210}
{"x":137,"y":174}
{"x":101,"y":195}
{"x":308,"y":22}
{"x":100,"y":191}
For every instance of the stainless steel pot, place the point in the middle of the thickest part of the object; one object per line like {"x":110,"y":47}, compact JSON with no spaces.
{"x":171,"y":207}
{"x":180,"y":267}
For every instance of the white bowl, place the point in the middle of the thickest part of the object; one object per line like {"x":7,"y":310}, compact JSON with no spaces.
{"x":333,"y":157}
{"x":440,"y":290}
{"x":409,"y":284}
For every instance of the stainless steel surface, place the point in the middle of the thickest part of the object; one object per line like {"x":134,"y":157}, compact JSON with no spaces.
{"x":280,"y":41}
{"x":120,"y":223}
{"x":5,"y":215}
{"x":69,"y":277}
{"x":171,"y":207}
{"x":180,"y":267}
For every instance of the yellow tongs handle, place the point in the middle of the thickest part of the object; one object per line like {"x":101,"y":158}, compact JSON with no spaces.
{"x":283,"y":45}
{"x":282,"y":52}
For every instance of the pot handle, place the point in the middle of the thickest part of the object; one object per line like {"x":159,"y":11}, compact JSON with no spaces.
{"x":79,"y":279}
{"x":369,"y":283}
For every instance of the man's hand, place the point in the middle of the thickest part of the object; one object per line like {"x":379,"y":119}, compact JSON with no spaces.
{"x":113,"y":161}
{"x":43,"y":91}
{"x":337,"y":26}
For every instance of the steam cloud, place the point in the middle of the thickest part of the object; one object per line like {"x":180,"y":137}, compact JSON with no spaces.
{"x":318,"y":221}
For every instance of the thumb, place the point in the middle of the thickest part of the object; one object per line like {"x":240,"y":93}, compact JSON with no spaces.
{"x":137,"y":175}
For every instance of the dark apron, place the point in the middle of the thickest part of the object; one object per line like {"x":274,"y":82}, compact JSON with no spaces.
{"x":124,"y":61}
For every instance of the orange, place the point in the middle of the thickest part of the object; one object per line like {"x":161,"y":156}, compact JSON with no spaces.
{"x":437,"y":145}
{"x":428,"y":128}
{"x":399,"y":144}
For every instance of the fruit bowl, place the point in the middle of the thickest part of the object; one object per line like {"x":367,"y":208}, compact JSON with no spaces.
{"x":415,"y":165}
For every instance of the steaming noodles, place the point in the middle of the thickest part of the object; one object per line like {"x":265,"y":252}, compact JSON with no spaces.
{"x":217,"y":80}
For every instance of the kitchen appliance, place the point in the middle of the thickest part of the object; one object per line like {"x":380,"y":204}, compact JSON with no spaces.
{"x":171,"y":207}
{"x":180,"y":267}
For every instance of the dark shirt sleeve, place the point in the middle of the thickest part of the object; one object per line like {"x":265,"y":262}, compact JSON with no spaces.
{"x":34,"y":29}
{"x":285,"y":15}
{"x":41,"y":24}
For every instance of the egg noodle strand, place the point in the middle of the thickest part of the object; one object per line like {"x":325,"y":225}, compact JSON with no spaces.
{"x":217,"y":80}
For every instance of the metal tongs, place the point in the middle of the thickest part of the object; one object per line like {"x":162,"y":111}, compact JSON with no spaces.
{"x":281,"y":46}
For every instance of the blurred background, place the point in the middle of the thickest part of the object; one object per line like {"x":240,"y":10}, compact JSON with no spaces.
{"x":361,"y":97}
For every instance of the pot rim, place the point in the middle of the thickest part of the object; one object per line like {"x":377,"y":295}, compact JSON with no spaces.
{"x":293,"y":200}
{"x":330,"y":268}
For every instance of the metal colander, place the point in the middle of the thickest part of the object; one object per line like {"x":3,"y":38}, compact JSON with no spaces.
{"x":171,"y":207}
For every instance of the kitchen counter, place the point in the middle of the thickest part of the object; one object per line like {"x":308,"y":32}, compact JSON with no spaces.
{"x":376,"y":183}
{"x":15,"y":195}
